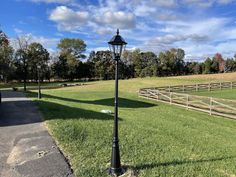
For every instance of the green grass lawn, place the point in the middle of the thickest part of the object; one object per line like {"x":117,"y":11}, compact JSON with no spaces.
{"x":156,"y":139}
{"x":226,"y":93}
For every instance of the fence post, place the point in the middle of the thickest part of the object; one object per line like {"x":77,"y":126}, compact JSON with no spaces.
{"x":146,"y":93}
{"x":157,"y":94}
{"x":221,"y":86}
{"x":170,"y":97}
{"x":187,"y":101}
{"x":211,"y":106}
{"x":196,"y":87}
{"x":231,"y":85}
{"x":209,"y":87}
{"x":183,"y":89}
{"x":169,"y":88}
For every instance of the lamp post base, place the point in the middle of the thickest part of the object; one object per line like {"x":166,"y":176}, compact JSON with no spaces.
{"x":116,"y":171}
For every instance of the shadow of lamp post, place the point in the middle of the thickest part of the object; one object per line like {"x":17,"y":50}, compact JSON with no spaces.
{"x":39,"y":85}
{"x":116,"y":44}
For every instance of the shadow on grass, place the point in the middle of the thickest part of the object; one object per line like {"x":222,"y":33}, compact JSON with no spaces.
{"x":53,"y":110}
{"x":179,"y":162}
{"x":15,"y":109}
{"x":14,"y":113}
{"x":123,"y":102}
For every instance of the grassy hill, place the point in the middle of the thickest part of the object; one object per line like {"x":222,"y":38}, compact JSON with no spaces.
{"x":135,"y":84}
{"x":156,"y":139}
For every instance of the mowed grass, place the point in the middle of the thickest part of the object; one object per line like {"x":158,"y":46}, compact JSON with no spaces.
{"x":156,"y":139}
{"x":225,"y":93}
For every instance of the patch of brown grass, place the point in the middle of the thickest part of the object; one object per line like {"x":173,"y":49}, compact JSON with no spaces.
{"x":220,"y":77}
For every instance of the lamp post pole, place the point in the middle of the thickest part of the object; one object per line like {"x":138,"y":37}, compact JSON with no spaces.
{"x":116,"y":46}
{"x":115,"y":160}
{"x":39,"y":85}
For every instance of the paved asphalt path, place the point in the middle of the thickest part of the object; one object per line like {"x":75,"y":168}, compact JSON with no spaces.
{"x":26,"y":148}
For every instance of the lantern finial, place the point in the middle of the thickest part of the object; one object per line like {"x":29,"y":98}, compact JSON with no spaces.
{"x":117,"y":32}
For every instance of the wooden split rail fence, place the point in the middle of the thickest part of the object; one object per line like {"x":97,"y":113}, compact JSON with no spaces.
{"x":199,"y":87}
{"x":213,"y":106}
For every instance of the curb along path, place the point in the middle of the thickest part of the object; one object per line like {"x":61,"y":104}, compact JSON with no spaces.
{"x":26,"y":148}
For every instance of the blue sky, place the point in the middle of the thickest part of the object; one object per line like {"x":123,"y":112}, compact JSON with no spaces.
{"x":201,"y":27}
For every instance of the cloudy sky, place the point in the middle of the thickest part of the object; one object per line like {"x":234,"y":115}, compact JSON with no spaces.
{"x":201,"y":27}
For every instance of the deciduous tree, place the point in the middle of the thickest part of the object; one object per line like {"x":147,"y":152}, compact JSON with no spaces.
{"x":6,"y":56}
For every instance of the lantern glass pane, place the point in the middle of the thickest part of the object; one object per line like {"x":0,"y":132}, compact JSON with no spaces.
{"x":117,"y":50}
{"x":120,"y":52}
{"x":110,"y":47}
{"x":112,"y":50}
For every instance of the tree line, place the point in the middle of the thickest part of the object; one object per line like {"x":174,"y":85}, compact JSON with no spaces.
{"x":23,"y":62}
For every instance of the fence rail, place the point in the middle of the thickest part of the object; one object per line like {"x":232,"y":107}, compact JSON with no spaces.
{"x":198,"y":87}
{"x":213,"y":106}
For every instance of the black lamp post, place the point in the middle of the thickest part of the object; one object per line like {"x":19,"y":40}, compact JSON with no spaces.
{"x":39,"y":85}
{"x":116,"y":44}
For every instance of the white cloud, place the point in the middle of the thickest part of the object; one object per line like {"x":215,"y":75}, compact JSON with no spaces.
{"x":47,"y":42}
{"x":152,"y":24}
{"x":208,"y":50}
{"x":200,"y":3}
{"x":18,"y":31}
{"x":207,"y":3}
{"x":165,"y":3}
{"x":207,"y":27}
{"x":68,"y":19}
{"x":167,"y":16}
{"x":144,"y":10}
{"x":117,"y":19}
{"x":103,"y":31}
{"x":101,"y":20}
{"x":198,"y":38}
{"x":99,"y":48}
{"x":171,"y":39}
